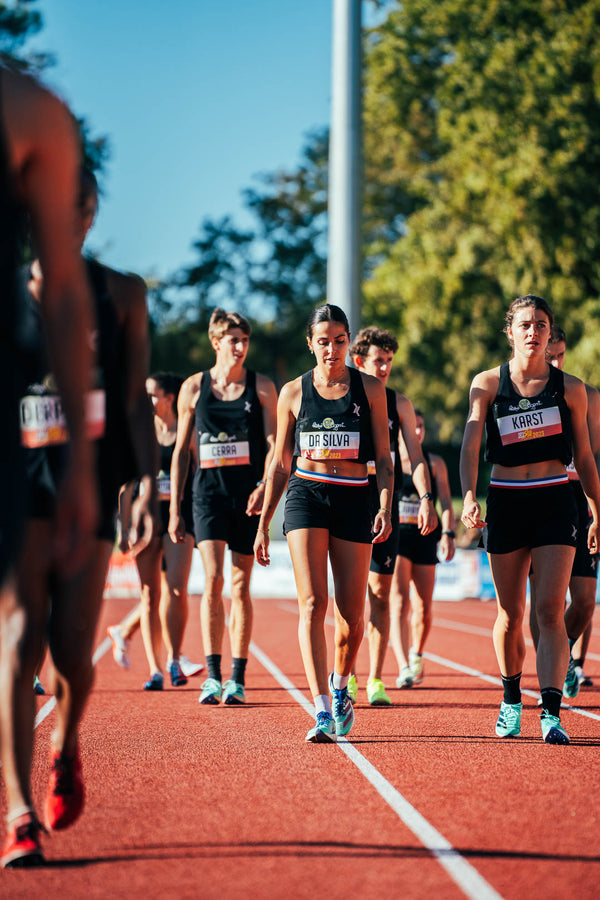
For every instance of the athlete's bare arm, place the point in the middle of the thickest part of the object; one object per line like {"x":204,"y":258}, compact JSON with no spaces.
{"x":484,"y":388}
{"x":384,"y":470}
{"x":427,"y":519}
{"x":267,"y":396}
{"x":186,"y":408}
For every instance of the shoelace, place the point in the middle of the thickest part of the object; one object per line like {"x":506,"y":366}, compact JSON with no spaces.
{"x":323,"y":719}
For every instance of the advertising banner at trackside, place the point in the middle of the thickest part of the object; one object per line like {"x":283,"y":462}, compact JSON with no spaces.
{"x":467,"y":575}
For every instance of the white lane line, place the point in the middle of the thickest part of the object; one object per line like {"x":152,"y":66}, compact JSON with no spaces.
{"x":467,"y":670}
{"x":451,"y":625}
{"x":462,"y":873}
{"x":45,"y":710}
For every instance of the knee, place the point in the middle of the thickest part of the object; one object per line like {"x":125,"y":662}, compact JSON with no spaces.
{"x":214,"y":583}
{"x":549,"y":618}
{"x":379,"y":601}
{"x":312,"y":609}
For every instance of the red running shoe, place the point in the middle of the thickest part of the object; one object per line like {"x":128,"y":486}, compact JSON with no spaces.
{"x":22,"y":845}
{"x":66,"y":795}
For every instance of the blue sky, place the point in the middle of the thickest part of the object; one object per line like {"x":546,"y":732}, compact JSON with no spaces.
{"x":196,"y":96}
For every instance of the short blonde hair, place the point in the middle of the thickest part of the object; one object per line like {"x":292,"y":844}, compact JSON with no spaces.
{"x":221,"y":322}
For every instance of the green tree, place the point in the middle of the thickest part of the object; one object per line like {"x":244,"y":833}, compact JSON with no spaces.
{"x":482,"y":137}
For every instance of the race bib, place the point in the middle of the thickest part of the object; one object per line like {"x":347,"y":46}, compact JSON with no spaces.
{"x":43,"y":422}
{"x":527,"y":426}
{"x":223,"y":450}
{"x":329,"y":444}
{"x":371,"y":464}
{"x":163,"y":483}
{"x":408,"y":512}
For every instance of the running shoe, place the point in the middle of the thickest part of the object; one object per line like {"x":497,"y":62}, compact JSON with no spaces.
{"x":178,"y":679}
{"x":583,"y":679}
{"x":120,"y":647}
{"x":509,"y":720}
{"x":353,"y":688}
{"x":571,"y":686}
{"x":234,"y":693}
{"x":343,"y":711}
{"x":66,"y":795}
{"x":188,"y":667}
{"x":38,"y":687}
{"x":22,"y":848}
{"x":211,"y":692}
{"x":376,"y":694}
{"x":324,"y":731}
{"x":552,"y":730}
{"x":155,"y":682}
{"x":415,"y":661}
{"x":405,"y":678}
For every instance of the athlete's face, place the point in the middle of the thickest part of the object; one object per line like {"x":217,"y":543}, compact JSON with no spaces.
{"x":377,"y":362}
{"x":530,"y":331}
{"x":162,"y":403}
{"x":555,"y":354}
{"x":232,"y":348}
{"x":329,"y":342}
{"x":420,"y":428}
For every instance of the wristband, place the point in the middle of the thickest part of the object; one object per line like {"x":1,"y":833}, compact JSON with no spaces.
{"x":258,"y":483}
{"x":449,"y":532}
{"x":384,"y":509}
{"x":427,"y":496}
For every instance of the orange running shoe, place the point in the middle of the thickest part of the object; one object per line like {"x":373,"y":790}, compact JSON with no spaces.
{"x":66,"y":795}
{"x":22,"y":848}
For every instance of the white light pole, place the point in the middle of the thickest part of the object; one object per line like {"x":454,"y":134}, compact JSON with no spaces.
{"x":344,"y":256}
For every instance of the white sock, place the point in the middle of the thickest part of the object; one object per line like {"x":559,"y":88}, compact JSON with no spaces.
{"x":322,"y":704}
{"x":340,"y":681}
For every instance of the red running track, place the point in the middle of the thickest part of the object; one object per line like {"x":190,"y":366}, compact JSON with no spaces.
{"x":422,"y":801}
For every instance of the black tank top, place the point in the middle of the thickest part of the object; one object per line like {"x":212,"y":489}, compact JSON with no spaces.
{"x":164,"y":479}
{"x":522,"y":430}
{"x":408,"y":501}
{"x":43,"y":432}
{"x":334,"y":429}
{"x":231,"y":441}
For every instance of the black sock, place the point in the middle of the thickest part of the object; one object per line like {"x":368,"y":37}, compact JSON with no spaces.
{"x":213,"y":665}
{"x":578,"y":662}
{"x":238,"y":670}
{"x":551,"y":699}
{"x":512,"y":688}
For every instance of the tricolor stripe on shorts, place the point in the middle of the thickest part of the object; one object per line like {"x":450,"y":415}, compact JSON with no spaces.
{"x":530,"y":483}
{"x":327,"y":478}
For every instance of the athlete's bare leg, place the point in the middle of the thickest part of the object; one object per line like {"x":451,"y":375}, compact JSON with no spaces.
{"x":309,"y":549}
{"x":350,"y":563}
{"x":378,"y":627}
{"x":400,"y":610}
{"x":422,"y":605}
{"x":212,"y":611}
{"x":174,"y":595}
{"x":241,"y":615}
{"x":149,"y":568}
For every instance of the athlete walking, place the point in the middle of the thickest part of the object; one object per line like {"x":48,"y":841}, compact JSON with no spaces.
{"x":330,"y":421}
{"x":535,"y":420}
{"x":232,"y":411}
{"x":372,"y":352}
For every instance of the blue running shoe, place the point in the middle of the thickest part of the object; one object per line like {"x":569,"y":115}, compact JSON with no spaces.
{"x":324,"y":731}
{"x":571,"y":686}
{"x":211,"y":692}
{"x":155,"y":682}
{"x":552,"y":730}
{"x":178,"y":679}
{"x":233,"y":693}
{"x":343,"y":711}
{"x":38,"y":687}
{"x":509,"y":720}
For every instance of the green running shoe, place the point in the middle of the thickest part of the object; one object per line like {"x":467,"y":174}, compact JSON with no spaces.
{"x":405,"y":678}
{"x":571,"y":687}
{"x":353,"y":688}
{"x":509,"y":720}
{"x":343,"y":711}
{"x":211,"y":692}
{"x":324,"y":731}
{"x":552,"y":730}
{"x":376,"y":694}
{"x":233,"y":693}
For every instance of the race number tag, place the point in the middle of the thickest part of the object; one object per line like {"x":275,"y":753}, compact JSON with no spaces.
{"x":408,"y":512}
{"x":43,"y":422}
{"x":527,"y":426}
{"x":223,"y":450}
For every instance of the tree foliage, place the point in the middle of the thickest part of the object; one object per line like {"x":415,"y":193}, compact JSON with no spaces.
{"x":482,"y":143}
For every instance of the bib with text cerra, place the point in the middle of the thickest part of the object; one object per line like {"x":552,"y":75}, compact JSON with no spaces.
{"x":223,"y":449}
{"x":43,"y":422}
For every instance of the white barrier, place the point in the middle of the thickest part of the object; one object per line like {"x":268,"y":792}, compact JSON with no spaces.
{"x":467,"y":575}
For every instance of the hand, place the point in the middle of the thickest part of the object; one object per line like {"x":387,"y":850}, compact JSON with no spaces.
{"x":471,"y":515}
{"x":447,"y":547}
{"x":427,"y":519}
{"x":177,"y":529}
{"x":382,"y":526}
{"x":255,"y":501}
{"x":142,"y":525}
{"x":261,"y":548}
{"x":593,"y":537}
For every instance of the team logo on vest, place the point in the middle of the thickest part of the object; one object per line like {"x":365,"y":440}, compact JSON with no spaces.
{"x":524,"y":403}
{"x":328,"y":423}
